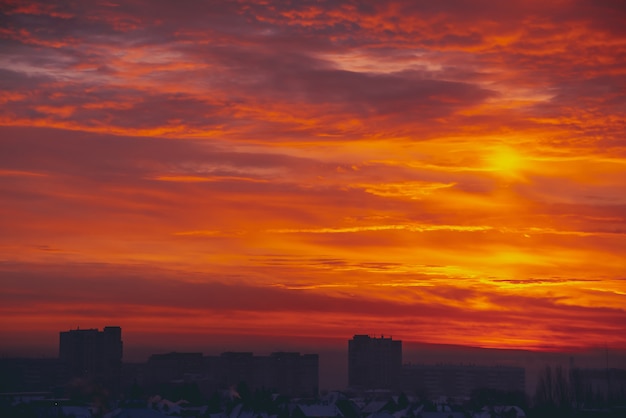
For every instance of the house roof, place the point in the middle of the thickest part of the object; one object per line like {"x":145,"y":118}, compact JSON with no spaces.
{"x":446,"y":414}
{"x":320,"y":410}
{"x":374,"y":406}
{"x":137,"y":413}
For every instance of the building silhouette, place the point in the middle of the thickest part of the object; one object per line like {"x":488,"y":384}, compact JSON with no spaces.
{"x":31,"y":374}
{"x":288,"y":373}
{"x":458,"y":381}
{"x":294,"y":374}
{"x":93,"y":355}
{"x":374,"y":363}
{"x":170,"y":366}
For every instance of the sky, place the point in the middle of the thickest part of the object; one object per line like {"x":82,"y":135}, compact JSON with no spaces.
{"x":257,"y":171}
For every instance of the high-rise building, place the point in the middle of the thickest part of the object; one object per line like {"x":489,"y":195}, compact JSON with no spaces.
{"x":93,"y":354}
{"x":374,"y":363}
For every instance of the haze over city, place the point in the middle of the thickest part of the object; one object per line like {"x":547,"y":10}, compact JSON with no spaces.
{"x":252,"y":175}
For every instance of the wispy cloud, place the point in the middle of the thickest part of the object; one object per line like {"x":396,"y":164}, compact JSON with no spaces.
{"x":246,"y":165}
{"x":411,"y":228}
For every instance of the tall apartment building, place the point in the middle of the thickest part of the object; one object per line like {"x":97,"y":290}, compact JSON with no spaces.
{"x":93,"y":354}
{"x":374,"y":363}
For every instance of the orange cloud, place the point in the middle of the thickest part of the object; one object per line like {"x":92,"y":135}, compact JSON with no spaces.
{"x":408,"y":167}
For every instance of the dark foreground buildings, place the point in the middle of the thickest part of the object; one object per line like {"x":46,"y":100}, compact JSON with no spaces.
{"x":288,"y":373}
{"x":458,"y":381}
{"x":96,"y":356}
{"x":374,"y":363}
{"x":31,"y":374}
{"x":93,"y":355}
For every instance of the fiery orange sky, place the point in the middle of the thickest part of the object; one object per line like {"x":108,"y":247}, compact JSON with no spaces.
{"x":445,"y":172}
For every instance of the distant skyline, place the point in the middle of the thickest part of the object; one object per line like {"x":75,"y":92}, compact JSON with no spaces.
{"x":251,"y":173}
{"x":334,"y":354}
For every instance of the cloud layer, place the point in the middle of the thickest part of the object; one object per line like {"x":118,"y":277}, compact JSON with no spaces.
{"x":448,"y":174}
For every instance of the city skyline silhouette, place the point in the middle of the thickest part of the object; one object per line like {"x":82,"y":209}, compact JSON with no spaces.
{"x":333,"y":359}
{"x":90,"y":376}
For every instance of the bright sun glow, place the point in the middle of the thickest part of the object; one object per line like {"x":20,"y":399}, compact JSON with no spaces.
{"x":506,"y":162}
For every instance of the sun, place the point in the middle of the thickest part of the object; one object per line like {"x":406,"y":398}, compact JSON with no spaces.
{"x":506,"y":162}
